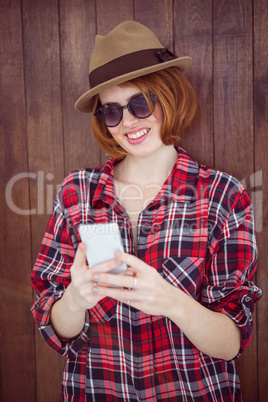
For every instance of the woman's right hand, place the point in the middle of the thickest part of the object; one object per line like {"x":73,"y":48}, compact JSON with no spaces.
{"x":68,"y":313}
{"x":80,"y":291}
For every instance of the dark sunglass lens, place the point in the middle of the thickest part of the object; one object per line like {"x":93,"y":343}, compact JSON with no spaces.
{"x":110,"y":115}
{"x":139,"y":106}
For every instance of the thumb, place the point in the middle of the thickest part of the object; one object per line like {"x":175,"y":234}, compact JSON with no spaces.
{"x":80,"y":256}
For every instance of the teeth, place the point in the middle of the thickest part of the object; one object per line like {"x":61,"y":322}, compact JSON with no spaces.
{"x":138,"y":134}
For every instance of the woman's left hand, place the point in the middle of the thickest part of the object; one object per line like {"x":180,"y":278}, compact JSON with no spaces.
{"x":141,"y":286}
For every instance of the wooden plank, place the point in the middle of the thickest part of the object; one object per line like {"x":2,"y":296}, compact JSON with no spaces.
{"x":45,"y":149}
{"x":17,"y":330}
{"x":233,"y":123}
{"x":261,"y":180}
{"x":233,"y":92}
{"x":111,"y":13}
{"x":77,"y":37}
{"x":157,"y":16}
{"x":107,"y":19}
{"x":193,"y":37}
{"x":44,"y":114}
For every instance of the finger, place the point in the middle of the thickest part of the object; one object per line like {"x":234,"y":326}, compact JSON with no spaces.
{"x":80,"y":256}
{"x":113,"y":280}
{"x":131,"y":260}
{"x":117,"y":293}
{"x":129,"y":272}
{"x":107,"y":266}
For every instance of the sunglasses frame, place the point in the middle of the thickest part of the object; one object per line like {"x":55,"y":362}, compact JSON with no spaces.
{"x":151,"y":97}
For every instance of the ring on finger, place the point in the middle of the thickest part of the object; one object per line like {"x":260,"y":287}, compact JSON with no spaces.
{"x":135,"y":282}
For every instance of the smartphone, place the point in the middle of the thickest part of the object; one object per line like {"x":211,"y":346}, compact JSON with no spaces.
{"x":102,"y":240}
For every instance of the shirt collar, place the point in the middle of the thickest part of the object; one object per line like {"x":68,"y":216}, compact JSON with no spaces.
{"x":105,"y":187}
{"x":180,"y":185}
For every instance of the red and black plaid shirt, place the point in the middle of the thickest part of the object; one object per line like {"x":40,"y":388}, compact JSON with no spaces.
{"x":198,"y":233}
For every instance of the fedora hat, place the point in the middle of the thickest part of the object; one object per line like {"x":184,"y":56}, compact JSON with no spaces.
{"x":129,"y":51}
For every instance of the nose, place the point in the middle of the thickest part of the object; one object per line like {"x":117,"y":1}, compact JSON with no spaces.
{"x":128,"y":119}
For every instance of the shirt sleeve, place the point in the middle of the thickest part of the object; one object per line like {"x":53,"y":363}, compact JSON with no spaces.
{"x":232,"y":258}
{"x":50,"y":278}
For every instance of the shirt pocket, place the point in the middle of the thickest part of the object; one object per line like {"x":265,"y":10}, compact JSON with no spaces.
{"x":186,"y":273}
{"x":104,"y":310}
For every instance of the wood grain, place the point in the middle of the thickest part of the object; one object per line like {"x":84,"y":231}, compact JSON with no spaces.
{"x":157,"y":16}
{"x":193,"y":37}
{"x":112,"y":13}
{"x":44,"y":55}
{"x":233,"y":87}
{"x":16,"y":324}
{"x":45,"y":149}
{"x":261,"y":180}
{"x":233,"y":122}
{"x":77,"y":37}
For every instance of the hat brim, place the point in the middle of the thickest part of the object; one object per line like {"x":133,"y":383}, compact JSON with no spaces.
{"x":85,"y":102}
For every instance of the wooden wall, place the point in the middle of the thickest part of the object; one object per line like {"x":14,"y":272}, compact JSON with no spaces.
{"x":44,"y":53}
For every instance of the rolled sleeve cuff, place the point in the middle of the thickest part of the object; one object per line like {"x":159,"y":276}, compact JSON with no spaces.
{"x":239,"y":307}
{"x":65,"y":347}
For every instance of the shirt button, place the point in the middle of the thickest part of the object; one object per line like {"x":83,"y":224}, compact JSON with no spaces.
{"x":247,"y":299}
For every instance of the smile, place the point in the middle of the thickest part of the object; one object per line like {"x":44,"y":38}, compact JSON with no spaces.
{"x":138,"y":137}
{"x":138,"y":134}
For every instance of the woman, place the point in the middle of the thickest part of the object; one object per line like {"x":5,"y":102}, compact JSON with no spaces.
{"x":170,"y":326}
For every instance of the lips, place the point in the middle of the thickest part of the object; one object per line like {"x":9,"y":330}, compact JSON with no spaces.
{"x":138,"y":136}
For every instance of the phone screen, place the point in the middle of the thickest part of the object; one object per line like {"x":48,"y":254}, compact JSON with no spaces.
{"x":101,"y":240}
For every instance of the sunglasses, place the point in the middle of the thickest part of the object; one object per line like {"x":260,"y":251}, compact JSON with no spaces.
{"x":111,"y":114}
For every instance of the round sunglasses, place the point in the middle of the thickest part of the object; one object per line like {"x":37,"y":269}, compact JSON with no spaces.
{"x":111,"y":114}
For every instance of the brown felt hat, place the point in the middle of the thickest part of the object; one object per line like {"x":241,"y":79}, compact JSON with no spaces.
{"x":129,"y":51}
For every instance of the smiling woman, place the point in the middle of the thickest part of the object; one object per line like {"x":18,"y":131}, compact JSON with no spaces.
{"x":181,"y":312}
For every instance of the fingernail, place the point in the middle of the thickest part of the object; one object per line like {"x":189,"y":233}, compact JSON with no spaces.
{"x":81,"y":246}
{"x":96,"y":277}
{"x":95,"y":289}
{"x":118,"y":253}
{"x":118,"y":262}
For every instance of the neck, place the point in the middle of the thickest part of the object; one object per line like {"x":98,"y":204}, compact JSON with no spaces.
{"x":150,"y":169}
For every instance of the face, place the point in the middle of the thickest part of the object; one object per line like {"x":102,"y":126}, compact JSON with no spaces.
{"x":139,"y":137}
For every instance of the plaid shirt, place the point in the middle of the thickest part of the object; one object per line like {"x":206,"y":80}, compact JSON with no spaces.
{"x":198,"y":233}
